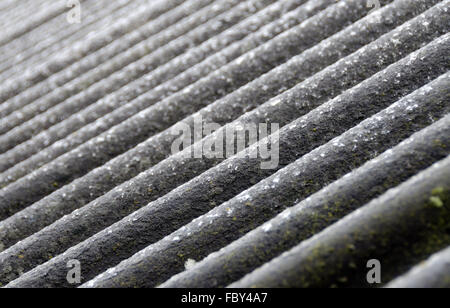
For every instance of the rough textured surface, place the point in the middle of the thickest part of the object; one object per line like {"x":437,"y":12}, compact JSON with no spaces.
{"x":44,"y":41}
{"x":433,"y":273}
{"x":118,"y":170}
{"x":161,"y":55}
{"x":75,"y":52}
{"x":92,"y":60}
{"x":252,"y":207}
{"x":157,"y":84}
{"x":223,"y":182}
{"x":377,"y":230}
{"x":88,"y":114}
{"x":167,"y":112}
{"x":313,"y":214}
{"x":85,"y":82}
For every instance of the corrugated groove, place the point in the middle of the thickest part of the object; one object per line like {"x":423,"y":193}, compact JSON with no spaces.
{"x":144,"y":66}
{"x":250,"y":208}
{"x":47,"y":45}
{"x":85,"y":90}
{"x":433,"y":273}
{"x":143,"y":35}
{"x":149,"y":153}
{"x":192,"y":74}
{"x":44,"y":15}
{"x":309,"y":216}
{"x":75,"y":52}
{"x":172,"y":109}
{"x":384,"y":223}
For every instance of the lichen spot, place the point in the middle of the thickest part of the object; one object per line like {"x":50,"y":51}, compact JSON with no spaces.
{"x":436,"y":202}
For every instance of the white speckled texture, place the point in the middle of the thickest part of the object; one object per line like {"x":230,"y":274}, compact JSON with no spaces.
{"x":357,"y":101}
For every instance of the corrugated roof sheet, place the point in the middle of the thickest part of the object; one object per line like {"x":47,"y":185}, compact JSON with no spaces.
{"x":88,"y":171}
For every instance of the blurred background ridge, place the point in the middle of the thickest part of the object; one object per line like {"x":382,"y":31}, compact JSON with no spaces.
{"x":92,"y":90}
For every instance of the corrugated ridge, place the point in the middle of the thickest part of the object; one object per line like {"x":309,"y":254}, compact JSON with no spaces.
{"x":194,"y":72}
{"x":40,"y":47}
{"x":433,"y":273}
{"x":15,"y":10}
{"x":172,"y":109}
{"x":308,"y":217}
{"x":206,"y":32}
{"x":14,"y":50}
{"x":238,"y":215}
{"x":49,"y":12}
{"x":362,"y":103}
{"x":403,"y":212}
{"x":22,"y":11}
{"x":110,"y":77}
{"x":118,"y":170}
{"x":91,"y":44}
{"x":144,"y":32}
